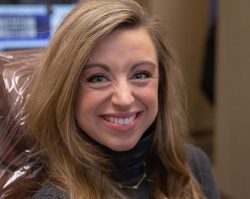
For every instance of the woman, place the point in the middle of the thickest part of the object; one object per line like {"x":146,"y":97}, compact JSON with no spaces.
{"x":105,"y":111}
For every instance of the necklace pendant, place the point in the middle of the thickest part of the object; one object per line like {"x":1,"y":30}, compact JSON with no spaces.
{"x":136,"y":186}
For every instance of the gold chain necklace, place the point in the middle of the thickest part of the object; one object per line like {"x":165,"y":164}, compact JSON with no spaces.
{"x":136,"y":186}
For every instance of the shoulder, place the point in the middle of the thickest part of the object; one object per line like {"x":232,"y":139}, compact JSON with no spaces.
{"x":50,"y":192}
{"x":201,"y":168}
{"x":198,"y":160}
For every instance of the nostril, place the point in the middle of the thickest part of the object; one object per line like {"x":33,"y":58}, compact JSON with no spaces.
{"x":122,"y":98}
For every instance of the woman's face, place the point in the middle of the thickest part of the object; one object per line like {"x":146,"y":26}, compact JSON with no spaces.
{"x":118,"y":96}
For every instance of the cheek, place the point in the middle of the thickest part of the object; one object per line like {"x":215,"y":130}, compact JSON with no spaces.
{"x":83,"y":105}
{"x":149,"y":96}
{"x":79,"y":109}
{"x":85,"y":113}
{"x":88,"y":103}
{"x":153,"y":99}
{"x":153,"y":102}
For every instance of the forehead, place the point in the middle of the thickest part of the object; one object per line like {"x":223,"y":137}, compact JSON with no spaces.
{"x":125,"y":42}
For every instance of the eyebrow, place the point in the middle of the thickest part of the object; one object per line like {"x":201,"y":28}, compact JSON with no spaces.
{"x":143,"y":63}
{"x":107,"y":68}
{"x":93,"y":65}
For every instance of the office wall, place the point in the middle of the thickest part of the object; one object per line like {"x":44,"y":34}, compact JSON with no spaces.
{"x":186,"y":24}
{"x":233,"y":99}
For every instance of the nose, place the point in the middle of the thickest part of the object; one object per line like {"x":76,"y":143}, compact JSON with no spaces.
{"x":122,"y":96}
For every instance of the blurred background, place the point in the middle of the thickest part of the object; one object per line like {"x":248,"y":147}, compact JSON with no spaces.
{"x":212,"y":41}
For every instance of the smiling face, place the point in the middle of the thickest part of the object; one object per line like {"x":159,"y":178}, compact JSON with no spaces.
{"x":118,"y":95}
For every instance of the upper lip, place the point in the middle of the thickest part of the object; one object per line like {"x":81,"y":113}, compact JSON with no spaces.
{"x":121,"y":114}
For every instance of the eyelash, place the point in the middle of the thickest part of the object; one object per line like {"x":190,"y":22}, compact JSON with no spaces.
{"x":93,"y":78}
{"x":145,"y":73}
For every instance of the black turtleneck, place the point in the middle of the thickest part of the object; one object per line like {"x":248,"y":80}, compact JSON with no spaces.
{"x":129,"y":167}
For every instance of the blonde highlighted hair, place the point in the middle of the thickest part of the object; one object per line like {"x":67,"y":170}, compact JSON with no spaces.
{"x":71,"y":162}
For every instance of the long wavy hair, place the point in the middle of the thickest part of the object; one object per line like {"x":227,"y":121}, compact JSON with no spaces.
{"x":71,"y":162}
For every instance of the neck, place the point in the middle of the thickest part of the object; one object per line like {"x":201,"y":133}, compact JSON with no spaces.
{"x":130,"y":166}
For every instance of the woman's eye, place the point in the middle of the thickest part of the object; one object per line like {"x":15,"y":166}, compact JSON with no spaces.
{"x":142,"y":75}
{"x":97,"y":79}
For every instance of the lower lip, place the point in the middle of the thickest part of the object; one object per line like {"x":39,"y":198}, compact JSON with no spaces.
{"x":119,"y":127}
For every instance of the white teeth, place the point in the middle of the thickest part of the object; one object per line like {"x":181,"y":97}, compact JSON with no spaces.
{"x":120,"y":121}
{"x":126,"y":121}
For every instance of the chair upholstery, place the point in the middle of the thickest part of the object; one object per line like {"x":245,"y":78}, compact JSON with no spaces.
{"x":16,"y":71}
